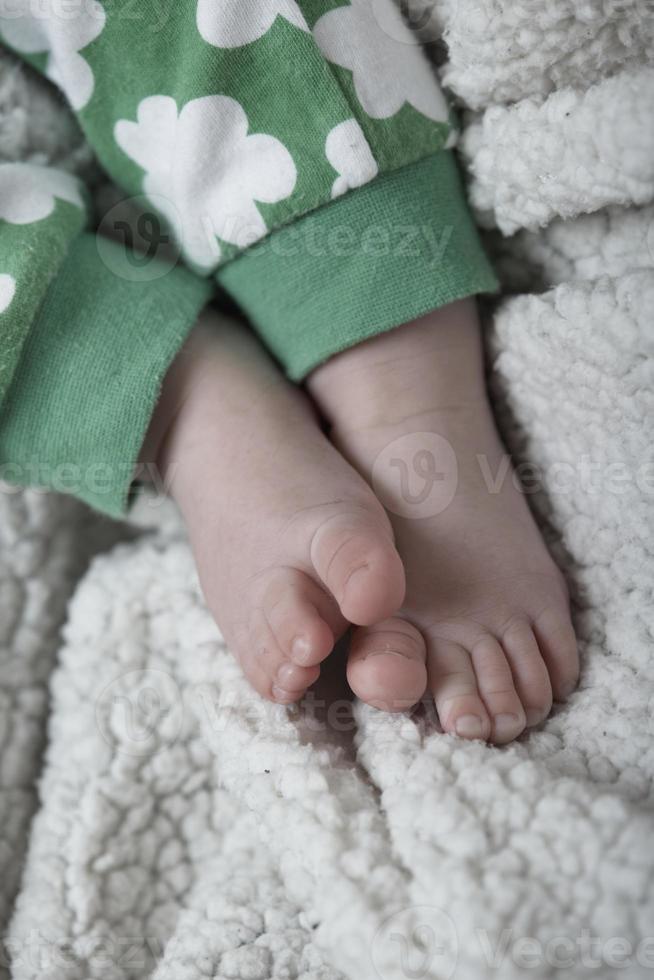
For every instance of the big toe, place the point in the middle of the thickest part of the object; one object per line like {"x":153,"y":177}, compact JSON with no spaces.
{"x":386,"y":665}
{"x":355,"y":558}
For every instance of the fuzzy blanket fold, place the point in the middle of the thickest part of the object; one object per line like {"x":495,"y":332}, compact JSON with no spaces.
{"x":184,"y":829}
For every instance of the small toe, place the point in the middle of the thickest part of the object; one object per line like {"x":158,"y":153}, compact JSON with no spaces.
{"x":357,"y":561}
{"x":291,"y":682}
{"x":453,"y":684}
{"x":530,"y":674}
{"x":288,"y":638}
{"x":294,"y":609}
{"x":272,"y":676}
{"x":386,"y":665}
{"x":497,"y":689}
{"x":558,"y":645}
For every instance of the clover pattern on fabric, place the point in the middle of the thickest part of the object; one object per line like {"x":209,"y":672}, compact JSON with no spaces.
{"x":205,"y":173}
{"x":389,"y":69}
{"x":29,"y":192}
{"x":233,"y":23}
{"x":347,"y":149}
{"x":43,"y":27}
{"x":7,"y":290}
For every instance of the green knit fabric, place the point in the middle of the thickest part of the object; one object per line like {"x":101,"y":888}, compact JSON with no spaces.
{"x":295,"y":153}
{"x":83,"y":392}
{"x":376,"y":258}
{"x":237,"y":118}
{"x":30,"y":257}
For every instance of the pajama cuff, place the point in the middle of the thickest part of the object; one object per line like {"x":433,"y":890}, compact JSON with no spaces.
{"x":376,"y":258}
{"x":89,"y":376}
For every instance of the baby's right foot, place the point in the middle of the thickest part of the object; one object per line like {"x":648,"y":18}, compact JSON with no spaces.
{"x":486,"y":608}
{"x":290,"y":542}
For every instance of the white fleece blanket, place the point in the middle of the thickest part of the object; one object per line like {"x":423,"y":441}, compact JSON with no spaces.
{"x":183,"y":828}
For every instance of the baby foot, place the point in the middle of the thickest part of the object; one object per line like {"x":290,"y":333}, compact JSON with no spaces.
{"x":289,"y":541}
{"x":486,"y":609}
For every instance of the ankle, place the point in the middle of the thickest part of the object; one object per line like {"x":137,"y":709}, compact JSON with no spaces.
{"x":432,"y":364}
{"x":180,"y":429}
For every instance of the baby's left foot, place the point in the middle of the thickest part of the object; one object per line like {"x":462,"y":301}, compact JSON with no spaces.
{"x":486,"y":608}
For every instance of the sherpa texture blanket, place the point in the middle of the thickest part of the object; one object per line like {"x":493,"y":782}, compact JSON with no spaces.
{"x":180,"y":827}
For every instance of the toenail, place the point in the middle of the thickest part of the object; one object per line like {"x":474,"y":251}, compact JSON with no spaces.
{"x":289,"y":677}
{"x":506,"y":726}
{"x":280,"y":695}
{"x":470,"y":726}
{"x":535,"y":716}
{"x":567,"y":689}
{"x":386,"y":651}
{"x":300,"y":649}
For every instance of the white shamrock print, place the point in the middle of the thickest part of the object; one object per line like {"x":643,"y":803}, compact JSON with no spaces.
{"x":232,"y":23}
{"x":204,"y":172}
{"x":28,"y":192}
{"x":348,"y":152}
{"x":388,"y":68}
{"x":33,"y":28}
{"x":7,"y":290}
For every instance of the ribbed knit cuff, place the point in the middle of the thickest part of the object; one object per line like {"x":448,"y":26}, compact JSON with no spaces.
{"x":376,"y":258}
{"x":90,"y":372}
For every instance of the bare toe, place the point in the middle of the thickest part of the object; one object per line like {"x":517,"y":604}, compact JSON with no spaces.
{"x":273,"y":676}
{"x":354,"y":556}
{"x":295,"y":609}
{"x":386,"y":665}
{"x":287,"y":622}
{"x":497,"y":689}
{"x":558,"y":645}
{"x":291,"y":682}
{"x":453,"y":683}
{"x":532,"y":680}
